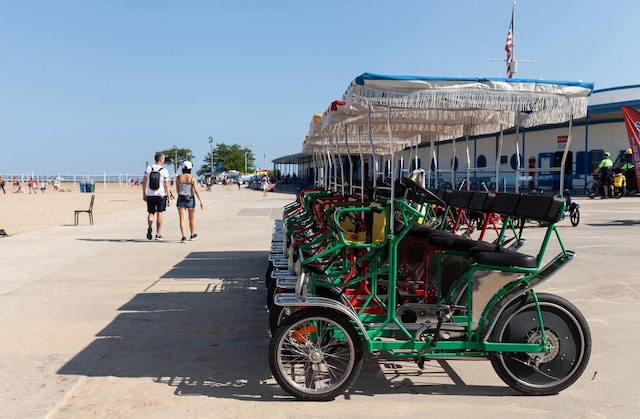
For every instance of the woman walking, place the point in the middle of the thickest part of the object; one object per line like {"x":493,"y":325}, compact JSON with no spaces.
{"x":187,"y":189}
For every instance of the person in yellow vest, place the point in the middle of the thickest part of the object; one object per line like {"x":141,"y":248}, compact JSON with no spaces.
{"x":606,"y":178}
{"x":627,"y":168}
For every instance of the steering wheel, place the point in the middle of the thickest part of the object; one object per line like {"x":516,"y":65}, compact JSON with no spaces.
{"x":422,"y":193}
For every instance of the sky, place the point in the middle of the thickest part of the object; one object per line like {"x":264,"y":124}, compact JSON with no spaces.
{"x":97,"y":86}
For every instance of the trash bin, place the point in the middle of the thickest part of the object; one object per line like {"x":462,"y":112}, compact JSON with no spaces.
{"x":91,"y":187}
{"x":83,"y":187}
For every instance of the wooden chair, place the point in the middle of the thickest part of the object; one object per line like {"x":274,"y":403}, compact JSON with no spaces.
{"x":89,"y":211}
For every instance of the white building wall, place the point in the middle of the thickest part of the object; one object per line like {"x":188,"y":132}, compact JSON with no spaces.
{"x":607,"y":137}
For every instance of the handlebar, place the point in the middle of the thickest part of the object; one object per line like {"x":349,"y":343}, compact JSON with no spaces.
{"x":421,"y":193}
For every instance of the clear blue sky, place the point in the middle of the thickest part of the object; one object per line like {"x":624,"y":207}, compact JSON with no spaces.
{"x":97,"y":86}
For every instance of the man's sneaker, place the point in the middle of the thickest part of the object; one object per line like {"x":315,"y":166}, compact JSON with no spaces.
{"x":183,"y":240}
{"x":194,"y":237}
{"x":158,"y":237}
{"x":149,"y":233}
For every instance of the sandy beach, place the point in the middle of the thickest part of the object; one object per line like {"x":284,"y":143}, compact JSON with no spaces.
{"x":25,"y":212}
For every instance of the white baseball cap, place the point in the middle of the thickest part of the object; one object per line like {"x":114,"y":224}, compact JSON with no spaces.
{"x":187,"y":165}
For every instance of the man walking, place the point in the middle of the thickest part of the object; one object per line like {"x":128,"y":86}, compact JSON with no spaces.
{"x":155,"y":192}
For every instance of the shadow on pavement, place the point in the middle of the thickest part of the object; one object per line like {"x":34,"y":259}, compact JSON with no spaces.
{"x":202,"y":328}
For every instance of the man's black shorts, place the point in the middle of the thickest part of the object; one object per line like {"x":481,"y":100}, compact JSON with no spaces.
{"x":607,"y":177}
{"x":156,"y":204}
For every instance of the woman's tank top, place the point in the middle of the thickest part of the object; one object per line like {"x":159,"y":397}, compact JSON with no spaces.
{"x":185,"y":188}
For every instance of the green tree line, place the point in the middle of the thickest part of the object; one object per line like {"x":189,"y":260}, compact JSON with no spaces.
{"x":223,"y":157}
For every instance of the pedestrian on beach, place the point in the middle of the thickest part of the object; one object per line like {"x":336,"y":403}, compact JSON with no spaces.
{"x":187,"y":189}
{"x":155,"y":192}
{"x":32,"y":186}
{"x":43,"y":186}
{"x":265,"y":185}
{"x":2,"y":185}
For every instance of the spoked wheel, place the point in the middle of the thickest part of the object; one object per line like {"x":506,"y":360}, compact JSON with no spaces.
{"x":574,"y":216}
{"x":539,"y":374}
{"x":620,"y":191}
{"x":591,"y":189}
{"x":315,"y":354}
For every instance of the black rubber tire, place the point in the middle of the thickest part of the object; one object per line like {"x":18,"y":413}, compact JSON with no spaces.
{"x":277,"y":314}
{"x":621,"y":191}
{"x":574,"y":216}
{"x":271,"y":291}
{"x":591,"y":189}
{"x":565,"y":328}
{"x":267,"y":275}
{"x":315,"y":354}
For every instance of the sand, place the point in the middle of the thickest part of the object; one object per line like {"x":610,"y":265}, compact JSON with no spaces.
{"x":24,"y":212}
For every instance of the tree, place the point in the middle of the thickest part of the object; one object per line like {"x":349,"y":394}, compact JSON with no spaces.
{"x":174,"y":156}
{"x":226,"y":157}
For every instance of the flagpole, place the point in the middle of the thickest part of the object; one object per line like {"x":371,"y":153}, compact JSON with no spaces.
{"x":511,"y":57}
{"x":513,"y":64}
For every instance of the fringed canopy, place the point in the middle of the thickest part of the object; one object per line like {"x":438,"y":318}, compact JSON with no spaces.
{"x":535,"y":102}
{"x":406,"y":108}
{"x":359,"y":142}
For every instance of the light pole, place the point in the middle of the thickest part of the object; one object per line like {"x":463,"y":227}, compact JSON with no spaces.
{"x":264,"y":162}
{"x":245,"y":159}
{"x":211,"y":153}
{"x":175,"y":161}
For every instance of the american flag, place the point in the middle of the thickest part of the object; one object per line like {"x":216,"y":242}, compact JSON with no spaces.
{"x":509,"y":48}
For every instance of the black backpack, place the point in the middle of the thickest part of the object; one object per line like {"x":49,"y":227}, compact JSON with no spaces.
{"x":154,"y":179}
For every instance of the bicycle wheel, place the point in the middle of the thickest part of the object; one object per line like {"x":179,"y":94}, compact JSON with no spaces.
{"x":315,"y":354}
{"x":574,"y":216}
{"x":591,"y":189}
{"x":566,"y":330}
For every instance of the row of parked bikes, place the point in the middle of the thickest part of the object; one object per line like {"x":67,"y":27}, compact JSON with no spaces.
{"x":417,"y":275}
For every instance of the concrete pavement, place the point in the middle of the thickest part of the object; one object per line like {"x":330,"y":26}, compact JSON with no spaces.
{"x":97,"y":321}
